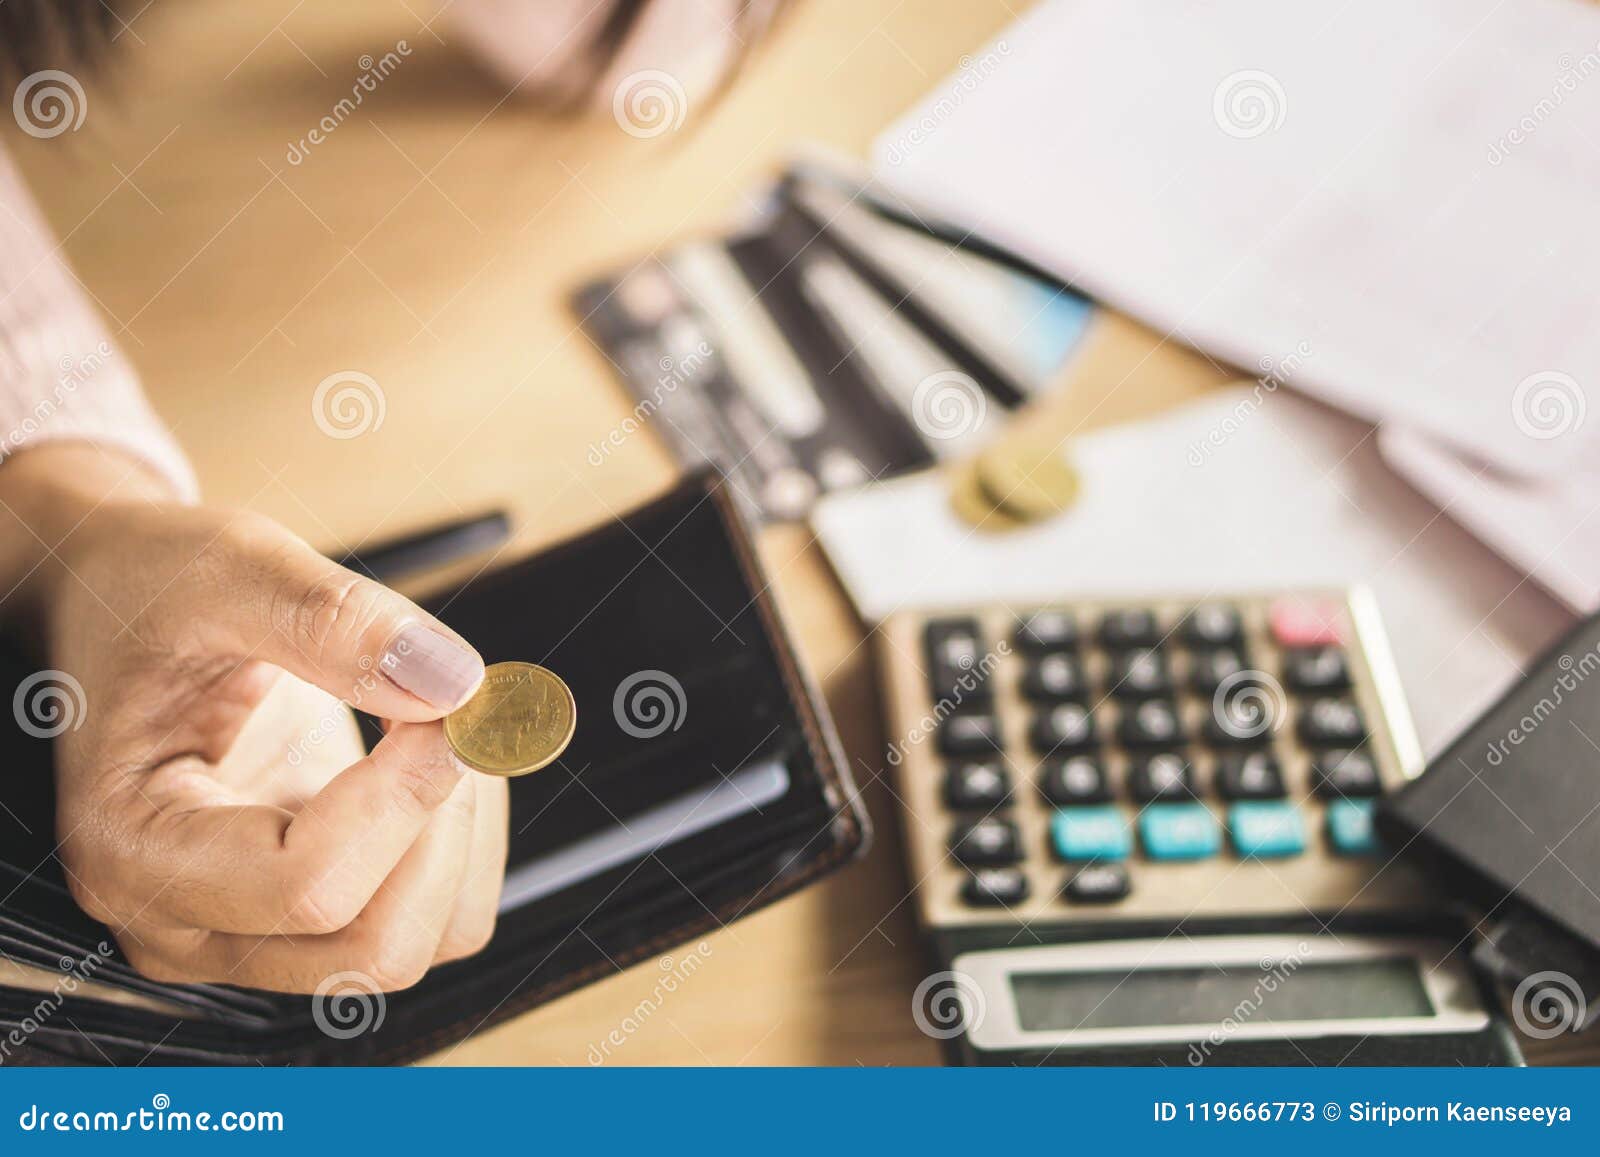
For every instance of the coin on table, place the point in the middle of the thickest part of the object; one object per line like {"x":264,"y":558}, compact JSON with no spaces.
{"x":973,"y":506}
{"x":520,"y":720}
{"x":1028,"y":481}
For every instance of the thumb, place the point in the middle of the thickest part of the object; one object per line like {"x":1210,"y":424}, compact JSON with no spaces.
{"x":351,"y":636}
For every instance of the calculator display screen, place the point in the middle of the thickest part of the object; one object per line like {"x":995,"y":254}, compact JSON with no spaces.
{"x":1213,"y":993}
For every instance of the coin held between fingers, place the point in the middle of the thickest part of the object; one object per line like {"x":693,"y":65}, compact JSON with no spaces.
{"x":520,"y":720}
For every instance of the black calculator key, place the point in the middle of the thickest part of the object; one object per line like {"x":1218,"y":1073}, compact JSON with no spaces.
{"x":1249,"y":775}
{"x":1070,"y":780}
{"x":1332,"y":723}
{"x":1160,"y":778}
{"x":1212,"y":625}
{"x":1151,"y":723}
{"x":1138,"y":674}
{"x":956,"y":667}
{"x":1069,"y":727}
{"x":1209,"y":669}
{"x":1345,"y":774}
{"x":1245,"y":711}
{"x":1098,"y":884}
{"x":1047,"y":631}
{"x":995,"y":888}
{"x":969,"y":734}
{"x":1134,"y":627}
{"x":978,"y":785}
{"x":1315,"y":669}
{"x":1054,"y":676}
{"x":986,"y":842}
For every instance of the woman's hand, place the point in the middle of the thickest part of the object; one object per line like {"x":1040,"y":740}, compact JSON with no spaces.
{"x":215,"y":808}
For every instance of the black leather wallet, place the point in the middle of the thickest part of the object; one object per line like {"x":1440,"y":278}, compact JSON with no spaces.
{"x":704,"y":781}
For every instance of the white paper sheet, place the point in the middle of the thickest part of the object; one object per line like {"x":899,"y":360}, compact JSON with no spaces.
{"x":1409,"y":189}
{"x":1227,"y":494}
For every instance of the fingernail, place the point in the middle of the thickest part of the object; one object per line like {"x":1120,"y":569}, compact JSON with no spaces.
{"x":436,"y":669}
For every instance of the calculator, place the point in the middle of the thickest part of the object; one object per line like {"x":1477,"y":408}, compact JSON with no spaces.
{"x":1109,"y":797}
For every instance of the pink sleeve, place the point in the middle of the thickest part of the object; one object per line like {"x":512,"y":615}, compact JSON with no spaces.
{"x":61,"y":376}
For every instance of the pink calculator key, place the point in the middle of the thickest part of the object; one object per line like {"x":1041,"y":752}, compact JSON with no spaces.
{"x":1306,"y":622}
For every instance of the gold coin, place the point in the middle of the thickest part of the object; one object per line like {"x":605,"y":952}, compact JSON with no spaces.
{"x":973,"y":506}
{"x":520,"y":720}
{"x":1028,"y":481}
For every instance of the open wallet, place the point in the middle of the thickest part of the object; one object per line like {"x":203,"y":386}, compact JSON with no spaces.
{"x":668,"y":816}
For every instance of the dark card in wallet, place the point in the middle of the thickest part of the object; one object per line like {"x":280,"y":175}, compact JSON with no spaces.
{"x":703,"y":782}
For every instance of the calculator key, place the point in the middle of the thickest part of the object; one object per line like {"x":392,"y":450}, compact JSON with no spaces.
{"x":1074,"y":779}
{"x":1306,"y":622}
{"x":956,"y":669}
{"x":1135,"y":627}
{"x":1069,"y":726}
{"x":1209,"y":669}
{"x":1315,"y":669}
{"x":969,"y":734}
{"x":1267,"y":830}
{"x":1098,"y":884}
{"x":995,"y":888}
{"x":1212,"y":625}
{"x":1079,"y":834}
{"x":1047,"y":631}
{"x":1054,"y":676}
{"x":1332,"y":723}
{"x":1138,"y":674}
{"x":1245,"y":710}
{"x":1350,"y":829}
{"x":985,"y":842}
{"x":1152,"y":723}
{"x":1163,"y":776}
{"x":981,"y":785}
{"x":1179,"y":831}
{"x":1344,"y":774}
{"x":1249,"y":775}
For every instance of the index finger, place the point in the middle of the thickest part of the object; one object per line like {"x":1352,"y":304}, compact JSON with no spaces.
{"x":262,"y":870}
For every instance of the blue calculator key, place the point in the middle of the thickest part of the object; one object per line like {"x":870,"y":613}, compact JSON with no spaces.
{"x":1350,"y":827}
{"x":1090,"y":833}
{"x":1267,"y":829}
{"x":1179,"y":831}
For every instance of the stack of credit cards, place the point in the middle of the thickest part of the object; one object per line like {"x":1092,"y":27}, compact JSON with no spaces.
{"x":837,"y":338}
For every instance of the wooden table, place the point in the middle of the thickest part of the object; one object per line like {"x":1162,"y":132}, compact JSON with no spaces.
{"x":428,"y":242}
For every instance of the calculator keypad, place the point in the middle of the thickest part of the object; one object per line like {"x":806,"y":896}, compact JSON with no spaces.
{"x":1124,"y":743}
